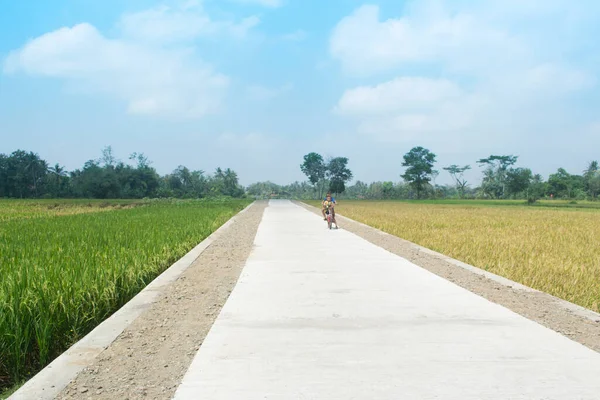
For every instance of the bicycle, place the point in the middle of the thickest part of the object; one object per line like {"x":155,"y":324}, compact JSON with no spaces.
{"x":330,"y":217}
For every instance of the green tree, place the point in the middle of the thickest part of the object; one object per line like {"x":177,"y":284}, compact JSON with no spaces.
{"x":591,"y":177}
{"x":338,"y":174}
{"x":95,"y":181}
{"x":314,"y":168}
{"x":564,"y":185}
{"x":232,"y":187}
{"x":23,"y":174}
{"x":264,"y":190}
{"x":457,"y":173}
{"x":387,"y":189}
{"x":108,"y":158}
{"x":419,"y":162}
{"x":494,"y":176}
{"x":4,"y":175}
{"x":537,"y":189}
{"x":59,"y":180}
{"x":142,"y":160}
{"x":518,"y":181}
{"x":594,"y":186}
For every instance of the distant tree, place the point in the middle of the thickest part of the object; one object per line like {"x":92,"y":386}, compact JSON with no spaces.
{"x":108,"y":158}
{"x":456,"y":173}
{"x":494,"y":176}
{"x":591,"y":177}
{"x":58,"y":181}
{"x":357,"y":191}
{"x":142,"y":160}
{"x":537,"y":189}
{"x":338,"y":174}
{"x":23,"y":174}
{"x":264,"y":190}
{"x":138,"y":181}
{"x":314,"y":168}
{"x":562,"y":184}
{"x":387,"y":189}
{"x":4,"y":175}
{"x":337,"y":186}
{"x":296,"y":190}
{"x":95,"y":181}
{"x":231,"y":184}
{"x":375,"y":191}
{"x":420,"y":162}
{"x":518,"y":181}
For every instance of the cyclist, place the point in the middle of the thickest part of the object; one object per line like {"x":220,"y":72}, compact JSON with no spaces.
{"x":329,"y":204}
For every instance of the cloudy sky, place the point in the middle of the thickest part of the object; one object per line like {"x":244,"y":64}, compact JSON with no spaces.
{"x":256,"y":84}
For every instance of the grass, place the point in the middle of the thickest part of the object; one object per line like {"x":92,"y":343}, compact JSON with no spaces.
{"x":10,"y":390}
{"x":551,"y":249}
{"x":66,"y":271}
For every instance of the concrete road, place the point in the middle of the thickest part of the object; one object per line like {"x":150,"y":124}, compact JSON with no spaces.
{"x":320,"y":314}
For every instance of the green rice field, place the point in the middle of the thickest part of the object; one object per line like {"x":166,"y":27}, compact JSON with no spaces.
{"x":65,"y":266}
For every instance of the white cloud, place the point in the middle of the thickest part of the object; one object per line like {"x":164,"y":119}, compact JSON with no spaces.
{"x":401,"y":94}
{"x":475,"y":71}
{"x":407,"y":108}
{"x":259,"y":92}
{"x":152,"y":65}
{"x":462,"y":35}
{"x":164,"y":24}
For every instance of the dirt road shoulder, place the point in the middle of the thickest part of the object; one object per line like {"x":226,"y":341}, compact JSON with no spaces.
{"x":148,"y":360}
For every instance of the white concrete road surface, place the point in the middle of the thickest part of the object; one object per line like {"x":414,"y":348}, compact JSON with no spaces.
{"x":320,"y":314}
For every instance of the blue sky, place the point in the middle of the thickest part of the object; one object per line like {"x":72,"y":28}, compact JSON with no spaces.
{"x":256,"y":84}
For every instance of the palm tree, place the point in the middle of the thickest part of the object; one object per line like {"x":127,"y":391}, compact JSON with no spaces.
{"x":37,"y":168}
{"x":59,"y":172}
{"x":230,"y":179}
{"x":591,"y":169}
{"x":591,"y":176}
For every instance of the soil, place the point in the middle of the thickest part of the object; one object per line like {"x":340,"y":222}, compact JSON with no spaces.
{"x":149,"y":359}
{"x":537,"y":306}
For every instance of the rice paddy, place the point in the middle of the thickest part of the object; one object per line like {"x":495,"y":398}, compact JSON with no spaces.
{"x":66,"y":266}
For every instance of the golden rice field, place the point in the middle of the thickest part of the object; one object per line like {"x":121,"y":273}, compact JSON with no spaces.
{"x":555,"y":250}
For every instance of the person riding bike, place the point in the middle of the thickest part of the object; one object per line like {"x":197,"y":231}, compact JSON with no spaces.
{"x":328,"y":205}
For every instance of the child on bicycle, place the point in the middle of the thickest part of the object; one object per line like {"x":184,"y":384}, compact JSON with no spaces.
{"x":329,"y":204}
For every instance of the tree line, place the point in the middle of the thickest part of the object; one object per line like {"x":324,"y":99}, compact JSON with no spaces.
{"x":502,"y":179}
{"x":26,"y":175}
